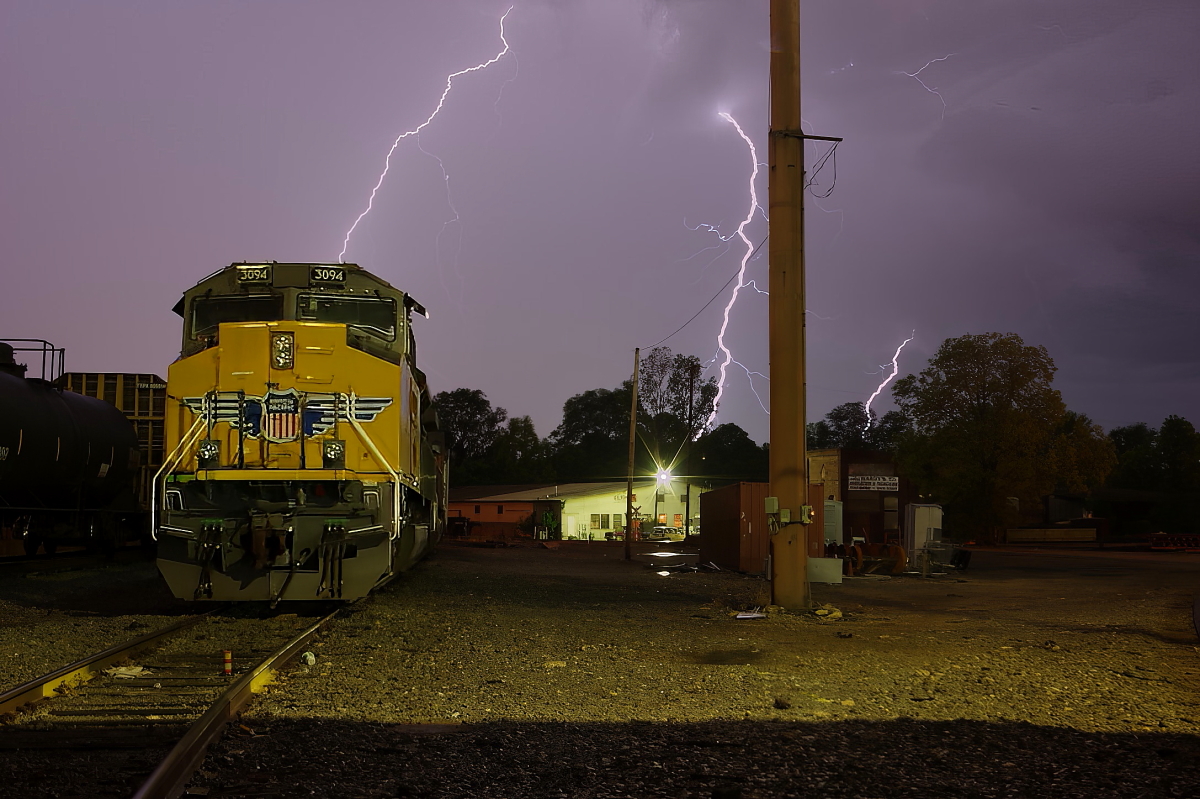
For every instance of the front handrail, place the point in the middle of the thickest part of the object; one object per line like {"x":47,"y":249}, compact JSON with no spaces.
{"x":170,"y":463}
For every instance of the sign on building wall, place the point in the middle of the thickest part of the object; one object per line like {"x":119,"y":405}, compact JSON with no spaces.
{"x":873,"y":482}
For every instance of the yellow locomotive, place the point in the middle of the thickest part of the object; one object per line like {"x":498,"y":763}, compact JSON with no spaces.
{"x":304,"y":460}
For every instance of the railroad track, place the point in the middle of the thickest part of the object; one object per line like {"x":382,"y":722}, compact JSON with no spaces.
{"x":143,"y":713}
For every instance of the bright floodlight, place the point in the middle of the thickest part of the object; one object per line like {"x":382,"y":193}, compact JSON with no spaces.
{"x":664,"y":476}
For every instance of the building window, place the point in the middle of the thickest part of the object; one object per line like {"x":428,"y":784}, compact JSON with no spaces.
{"x":595,"y":521}
{"x":500,"y":510}
{"x":662,"y":518}
{"x":679,"y":520}
{"x":617,"y":524}
{"x":604,"y":522}
{"x":477,"y":510}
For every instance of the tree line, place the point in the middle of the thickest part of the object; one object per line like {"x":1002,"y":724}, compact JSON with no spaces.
{"x":981,"y":425}
{"x":487,"y":447}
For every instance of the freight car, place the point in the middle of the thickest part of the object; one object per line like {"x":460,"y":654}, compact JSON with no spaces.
{"x":67,"y":462}
{"x":304,"y":459}
{"x":142,"y":398}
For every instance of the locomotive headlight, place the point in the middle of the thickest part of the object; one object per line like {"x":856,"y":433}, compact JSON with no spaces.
{"x":333,"y":454}
{"x":283,"y":349}
{"x":208,"y":453}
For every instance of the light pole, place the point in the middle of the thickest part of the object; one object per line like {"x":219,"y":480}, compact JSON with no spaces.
{"x":662,"y":478}
{"x":632,"y":442}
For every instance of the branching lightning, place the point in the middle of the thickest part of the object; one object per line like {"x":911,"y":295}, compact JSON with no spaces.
{"x":415,"y":131}
{"x":886,"y":380}
{"x":456,"y":219}
{"x":916,"y":76}
{"x":750,"y":375}
{"x":741,"y":233}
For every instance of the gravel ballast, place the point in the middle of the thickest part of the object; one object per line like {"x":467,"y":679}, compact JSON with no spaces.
{"x":62,"y":609}
{"x":568,"y":672}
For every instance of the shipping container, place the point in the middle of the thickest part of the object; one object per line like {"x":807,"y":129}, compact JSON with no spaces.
{"x":736,"y":535}
{"x":734,"y":521}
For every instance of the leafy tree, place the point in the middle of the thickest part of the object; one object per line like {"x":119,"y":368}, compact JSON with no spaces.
{"x":846,"y":427}
{"x":728,"y":453}
{"x":1138,"y":465}
{"x":1164,"y":462}
{"x":1179,"y":455}
{"x":472,"y":426}
{"x":674,"y":400}
{"x":592,"y":443}
{"x":594,"y":414}
{"x":819,"y":435}
{"x":888,"y":432}
{"x":1080,"y":456}
{"x":517,"y":455}
{"x":987,"y":424}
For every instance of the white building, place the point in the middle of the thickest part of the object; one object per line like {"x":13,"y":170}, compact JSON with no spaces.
{"x":584,"y":511}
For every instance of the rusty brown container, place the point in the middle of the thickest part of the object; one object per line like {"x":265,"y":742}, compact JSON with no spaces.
{"x":733,"y":521}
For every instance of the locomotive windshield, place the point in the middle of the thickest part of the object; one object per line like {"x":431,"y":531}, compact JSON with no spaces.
{"x":374,"y":315}
{"x":208,"y":312}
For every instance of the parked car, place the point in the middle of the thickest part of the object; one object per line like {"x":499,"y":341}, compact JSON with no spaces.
{"x":662,"y":533}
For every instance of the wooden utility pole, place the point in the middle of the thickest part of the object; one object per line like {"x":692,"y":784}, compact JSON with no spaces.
{"x":789,"y":468}
{"x":632,"y":440}
{"x":687,"y":458}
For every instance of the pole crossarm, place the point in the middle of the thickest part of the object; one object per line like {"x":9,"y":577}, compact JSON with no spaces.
{"x":799,"y":134}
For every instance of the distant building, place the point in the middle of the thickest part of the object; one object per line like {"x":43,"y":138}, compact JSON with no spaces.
{"x":870,"y":490}
{"x":568,"y":511}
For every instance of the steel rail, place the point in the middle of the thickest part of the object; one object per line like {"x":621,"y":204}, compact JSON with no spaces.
{"x":85,"y":669}
{"x":177,"y":768}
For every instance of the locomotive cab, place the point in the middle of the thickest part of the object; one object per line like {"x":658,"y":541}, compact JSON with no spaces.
{"x":304,"y":461}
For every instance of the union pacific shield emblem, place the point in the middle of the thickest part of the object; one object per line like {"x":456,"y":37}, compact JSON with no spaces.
{"x":282,"y":411}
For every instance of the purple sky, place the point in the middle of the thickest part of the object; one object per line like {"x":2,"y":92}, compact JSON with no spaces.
{"x":1056,"y":194}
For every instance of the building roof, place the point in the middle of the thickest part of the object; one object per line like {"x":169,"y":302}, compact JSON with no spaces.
{"x":542,"y":492}
{"x":468,"y":493}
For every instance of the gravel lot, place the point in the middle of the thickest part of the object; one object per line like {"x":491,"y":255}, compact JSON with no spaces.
{"x":58,"y":610}
{"x":545,"y":673}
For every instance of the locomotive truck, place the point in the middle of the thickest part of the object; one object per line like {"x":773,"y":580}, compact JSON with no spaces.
{"x":304,"y":459}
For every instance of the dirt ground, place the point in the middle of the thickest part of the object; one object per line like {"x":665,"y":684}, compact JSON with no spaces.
{"x":570,"y":672}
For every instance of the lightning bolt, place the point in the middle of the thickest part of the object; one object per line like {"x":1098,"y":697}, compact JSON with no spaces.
{"x":886,"y":380}
{"x":740,"y":284}
{"x":457,"y":219}
{"x":387,"y":162}
{"x":750,"y":375}
{"x":925,"y":86}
